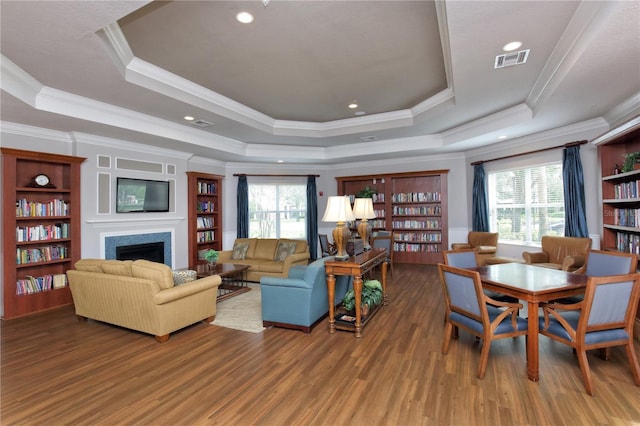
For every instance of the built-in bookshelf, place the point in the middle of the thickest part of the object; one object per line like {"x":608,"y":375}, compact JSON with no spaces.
{"x":620,"y":190}
{"x":41,"y":229}
{"x":413,"y":205}
{"x":205,"y":213}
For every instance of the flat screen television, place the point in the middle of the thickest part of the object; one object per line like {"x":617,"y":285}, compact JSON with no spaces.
{"x":142,"y":195}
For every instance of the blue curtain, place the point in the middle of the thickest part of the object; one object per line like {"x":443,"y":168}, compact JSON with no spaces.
{"x":575,"y":217}
{"x":480,"y":205}
{"x":312,"y":217}
{"x":243,"y":207}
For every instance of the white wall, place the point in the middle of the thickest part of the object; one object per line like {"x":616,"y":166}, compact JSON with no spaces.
{"x":460,"y":178}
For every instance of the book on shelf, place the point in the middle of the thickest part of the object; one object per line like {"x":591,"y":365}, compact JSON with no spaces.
{"x":59,"y":280}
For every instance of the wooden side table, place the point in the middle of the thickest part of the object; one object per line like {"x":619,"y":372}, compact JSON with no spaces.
{"x":355,"y":266}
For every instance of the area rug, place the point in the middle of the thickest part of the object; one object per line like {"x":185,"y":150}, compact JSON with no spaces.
{"x":242,"y":312}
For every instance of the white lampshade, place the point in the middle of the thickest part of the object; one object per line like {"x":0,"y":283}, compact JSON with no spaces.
{"x":363,"y":209}
{"x":338,"y":210}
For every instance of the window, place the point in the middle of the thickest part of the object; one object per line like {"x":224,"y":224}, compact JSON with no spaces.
{"x":527,"y":203}
{"x":277,"y":211}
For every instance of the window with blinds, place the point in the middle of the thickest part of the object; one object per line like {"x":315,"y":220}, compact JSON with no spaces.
{"x":527,"y":203}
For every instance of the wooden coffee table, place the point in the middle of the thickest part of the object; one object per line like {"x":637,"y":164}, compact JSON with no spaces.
{"x":234,"y":278}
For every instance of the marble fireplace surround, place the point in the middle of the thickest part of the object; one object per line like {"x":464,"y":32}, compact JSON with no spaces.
{"x":111,"y":240}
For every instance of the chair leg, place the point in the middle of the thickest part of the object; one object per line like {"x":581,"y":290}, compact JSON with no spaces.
{"x":604,"y":353}
{"x":633,"y":362}
{"x":586,"y":372}
{"x":484,"y":358}
{"x":448,"y":331}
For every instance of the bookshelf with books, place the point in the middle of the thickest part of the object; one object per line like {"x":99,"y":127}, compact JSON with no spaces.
{"x":205,"y":213}
{"x":620,"y":189}
{"x":41,"y":228}
{"x":414,"y":207}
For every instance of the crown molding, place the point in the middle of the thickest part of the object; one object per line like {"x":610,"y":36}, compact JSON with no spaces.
{"x":494,"y":123}
{"x":15,"y":81}
{"x":34,"y":132}
{"x":89,"y":139}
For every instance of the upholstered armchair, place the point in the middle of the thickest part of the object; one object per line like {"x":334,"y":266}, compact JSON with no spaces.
{"x":565,"y":253}
{"x":301,"y":300}
{"x":485,"y":243}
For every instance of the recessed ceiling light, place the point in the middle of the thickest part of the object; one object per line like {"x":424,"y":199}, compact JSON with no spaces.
{"x":244,"y":17}
{"x":502,"y":137}
{"x":280,"y":161}
{"x":189,"y":118}
{"x":359,"y":113}
{"x":512,"y":46}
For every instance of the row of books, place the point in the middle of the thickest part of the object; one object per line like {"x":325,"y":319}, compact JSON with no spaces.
{"x":207,"y":188}
{"x":629,"y":243}
{"x":627,"y":190}
{"x":205,"y":236}
{"x":30,"y":284}
{"x":25,"y":208}
{"x":42,"y":232}
{"x":376,"y":198}
{"x":41,"y":254}
{"x":425,"y":237}
{"x":416,"y":224}
{"x":416,"y":248}
{"x":204,"y":222}
{"x":419,"y":197}
{"x":417,"y":211}
{"x":206,"y":207}
{"x":627,"y":217}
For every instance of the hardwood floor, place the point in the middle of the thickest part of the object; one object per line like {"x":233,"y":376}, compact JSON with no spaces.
{"x":57,"y":370}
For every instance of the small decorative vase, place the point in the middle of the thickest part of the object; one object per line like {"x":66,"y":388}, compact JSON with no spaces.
{"x":212,"y":265}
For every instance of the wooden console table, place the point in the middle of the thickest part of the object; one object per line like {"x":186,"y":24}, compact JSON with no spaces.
{"x":355,"y":266}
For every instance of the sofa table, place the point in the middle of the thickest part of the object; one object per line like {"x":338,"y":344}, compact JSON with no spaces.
{"x":234,"y":278}
{"x":355,"y":266}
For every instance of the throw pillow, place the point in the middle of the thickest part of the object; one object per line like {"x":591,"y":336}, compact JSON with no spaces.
{"x":184,"y":276}
{"x":239,"y":251}
{"x":284,"y":249}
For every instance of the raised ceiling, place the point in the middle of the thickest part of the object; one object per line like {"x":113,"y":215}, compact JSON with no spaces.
{"x":278,"y":89}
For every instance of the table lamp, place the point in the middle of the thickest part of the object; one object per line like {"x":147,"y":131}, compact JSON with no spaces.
{"x":339,"y":211}
{"x":363,"y":209}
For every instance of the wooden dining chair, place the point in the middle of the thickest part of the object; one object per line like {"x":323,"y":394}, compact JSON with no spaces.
{"x":326,"y":247}
{"x":470,"y":309}
{"x":385,"y":241}
{"x":604,"y":319}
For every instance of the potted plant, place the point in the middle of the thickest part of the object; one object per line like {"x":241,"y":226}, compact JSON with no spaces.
{"x":370,"y":298}
{"x":211,"y":256}
{"x":366,"y":192}
{"x":630,"y":160}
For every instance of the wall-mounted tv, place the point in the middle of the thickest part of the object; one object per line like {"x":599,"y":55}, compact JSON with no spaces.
{"x":142,"y":195}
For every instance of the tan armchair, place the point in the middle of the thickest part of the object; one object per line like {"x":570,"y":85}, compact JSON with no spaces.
{"x":566,"y":253}
{"x":485,"y":243}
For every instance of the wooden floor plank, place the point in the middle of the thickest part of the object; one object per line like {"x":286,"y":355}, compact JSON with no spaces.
{"x":56,"y":370}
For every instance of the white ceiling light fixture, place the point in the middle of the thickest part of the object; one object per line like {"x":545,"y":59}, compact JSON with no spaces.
{"x":502,"y":137}
{"x":512,"y":46}
{"x":189,"y":118}
{"x":244,"y":17}
{"x":353,"y":105}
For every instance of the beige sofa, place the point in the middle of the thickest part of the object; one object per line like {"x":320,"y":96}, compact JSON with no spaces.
{"x":267,"y":256}
{"x":566,"y":253}
{"x":140,"y":295}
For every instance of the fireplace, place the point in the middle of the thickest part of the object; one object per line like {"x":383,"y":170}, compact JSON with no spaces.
{"x":149,"y":251}
{"x":112,"y":241}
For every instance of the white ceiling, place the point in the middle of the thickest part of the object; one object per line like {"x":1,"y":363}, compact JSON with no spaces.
{"x":278,"y":89}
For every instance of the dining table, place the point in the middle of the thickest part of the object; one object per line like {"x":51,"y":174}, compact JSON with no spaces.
{"x":534,"y":285}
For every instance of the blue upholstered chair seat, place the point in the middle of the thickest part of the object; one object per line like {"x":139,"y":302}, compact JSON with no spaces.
{"x":505,"y":325}
{"x":590,"y":338}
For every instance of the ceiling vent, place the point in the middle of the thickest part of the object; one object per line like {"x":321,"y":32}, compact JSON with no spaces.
{"x":201,"y":123}
{"x":367,"y":138}
{"x":509,"y":59}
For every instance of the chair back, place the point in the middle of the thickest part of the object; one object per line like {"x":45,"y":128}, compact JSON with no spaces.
{"x":325,"y":247}
{"x":601,"y":263}
{"x":460,"y":258}
{"x":610,"y":303}
{"x":463,"y":292}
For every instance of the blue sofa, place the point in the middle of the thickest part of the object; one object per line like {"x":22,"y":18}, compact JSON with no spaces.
{"x":300,"y":301}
